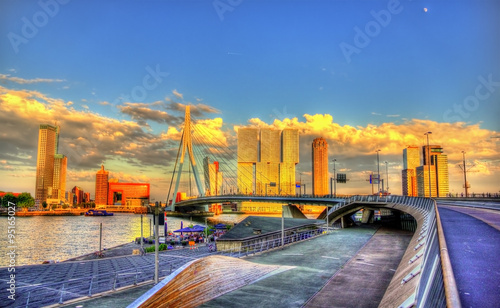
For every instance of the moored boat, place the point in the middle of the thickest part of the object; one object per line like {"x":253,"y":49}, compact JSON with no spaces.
{"x":98,"y":213}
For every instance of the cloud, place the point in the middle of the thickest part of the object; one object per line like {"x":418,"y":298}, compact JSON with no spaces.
{"x":177,"y":94}
{"x":142,"y":112}
{"x":87,"y":138}
{"x":393,"y":115}
{"x":19,"y":80}
{"x":354,"y":147}
{"x":376,"y":113}
{"x":198,"y":110}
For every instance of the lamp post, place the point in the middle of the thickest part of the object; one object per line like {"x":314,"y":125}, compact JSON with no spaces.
{"x":429,"y":162}
{"x":465,"y":176}
{"x":387,"y":175}
{"x":334,"y":179}
{"x":378,"y":172}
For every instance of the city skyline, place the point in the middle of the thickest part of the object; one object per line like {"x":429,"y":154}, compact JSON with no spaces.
{"x":363,"y":75}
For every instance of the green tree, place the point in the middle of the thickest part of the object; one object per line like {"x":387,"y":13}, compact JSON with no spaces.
{"x":44,"y":204}
{"x":9,"y":197}
{"x":25,"y":200}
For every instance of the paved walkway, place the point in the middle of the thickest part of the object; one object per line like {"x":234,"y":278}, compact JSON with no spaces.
{"x":328,"y":271}
{"x":337,"y":264}
{"x":474,"y":249}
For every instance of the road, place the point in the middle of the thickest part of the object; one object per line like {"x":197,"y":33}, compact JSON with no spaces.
{"x":473,"y":239}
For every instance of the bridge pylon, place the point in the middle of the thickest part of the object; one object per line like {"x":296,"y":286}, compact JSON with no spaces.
{"x":186,"y":144}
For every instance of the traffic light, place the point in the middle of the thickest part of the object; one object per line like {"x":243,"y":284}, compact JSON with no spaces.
{"x":341,"y":178}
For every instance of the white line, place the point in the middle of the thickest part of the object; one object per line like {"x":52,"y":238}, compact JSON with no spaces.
{"x":172,"y":256}
{"x":366,"y":263}
{"x":330,"y":257}
{"x":292,"y":254}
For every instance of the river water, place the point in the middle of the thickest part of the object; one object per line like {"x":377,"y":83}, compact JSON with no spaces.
{"x":41,"y":238}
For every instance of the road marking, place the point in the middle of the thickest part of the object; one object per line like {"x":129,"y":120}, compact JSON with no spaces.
{"x":330,"y":257}
{"x":292,"y":254}
{"x":366,"y":263}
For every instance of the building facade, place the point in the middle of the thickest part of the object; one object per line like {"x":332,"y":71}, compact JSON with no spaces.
{"x":77,"y":195}
{"x":411,"y":160}
{"x":59,"y":179}
{"x":47,"y":139}
{"x":433,"y":169}
{"x":128,"y":194}
{"x":320,"y":167}
{"x":266,"y":161}
{"x":213,"y":177}
{"x":101,"y":187}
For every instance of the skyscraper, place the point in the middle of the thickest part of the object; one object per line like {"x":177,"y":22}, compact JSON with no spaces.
{"x":436,"y":163}
{"x":411,"y":160}
{"x":101,"y":187}
{"x":266,"y":160}
{"x":213,"y":177}
{"x":442,"y":181}
{"x":289,"y":157}
{"x":320,"y":166}
{"x":248,"y":142}
{"x":47,"y":143}
{"x":59,"y":180}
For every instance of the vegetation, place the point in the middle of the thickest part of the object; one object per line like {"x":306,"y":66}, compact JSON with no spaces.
{"x":24,"y":200}
{"x":160,"y":248}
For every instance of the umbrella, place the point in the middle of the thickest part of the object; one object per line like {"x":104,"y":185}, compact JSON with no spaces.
{"x":198,"y":228}
{"x":220,"y":226}
{"x":187,"y":229}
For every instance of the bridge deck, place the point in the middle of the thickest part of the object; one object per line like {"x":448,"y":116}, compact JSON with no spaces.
{"x":474,"y":247}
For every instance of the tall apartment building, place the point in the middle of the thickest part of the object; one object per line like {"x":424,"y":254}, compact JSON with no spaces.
{"x":101,"y":187}
{"x":78,"y":194}
{"x":411,"y":160}
{"x":47,"y":142}
{"x":213,"y":177}
{"x":266,"y":160}
{"x":59,"y":179}
{"x":433,"y":169}
{"x":320,"y":167}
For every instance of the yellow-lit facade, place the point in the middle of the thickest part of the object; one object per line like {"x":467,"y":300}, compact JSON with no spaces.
{"x":59,"y":179}
{"x":442,"y":181}
{"x":320,"y":167}
{"x":101,"y":187}
{"x":423,"y":181}
{"x":47,"y":139}
{"x":266,"y":161}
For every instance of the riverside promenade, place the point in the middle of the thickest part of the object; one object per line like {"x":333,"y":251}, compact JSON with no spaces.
{"x":326,"y":271}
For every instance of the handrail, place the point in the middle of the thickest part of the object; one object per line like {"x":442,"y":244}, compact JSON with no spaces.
{"x":450,"y":285}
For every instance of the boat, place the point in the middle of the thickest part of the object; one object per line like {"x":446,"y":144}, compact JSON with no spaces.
{"x":98,"y":213}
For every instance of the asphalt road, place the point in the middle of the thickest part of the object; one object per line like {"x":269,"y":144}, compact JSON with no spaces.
{"x":474,"y":249}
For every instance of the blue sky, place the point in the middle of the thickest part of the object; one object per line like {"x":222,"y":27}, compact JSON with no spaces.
{"x":263,"y":59}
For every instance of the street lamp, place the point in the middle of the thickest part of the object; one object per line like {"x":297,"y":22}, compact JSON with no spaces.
{"x":387,"y":174}
{"x":429,"y":162}
{"x":378,"y":172}
{"x":334,"y":179}
{"x":465,"y":176}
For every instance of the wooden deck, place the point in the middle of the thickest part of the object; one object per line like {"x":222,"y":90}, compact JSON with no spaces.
{"x":205,"y":279}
